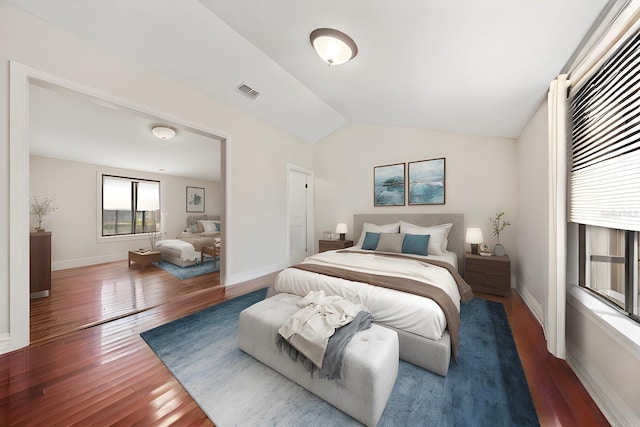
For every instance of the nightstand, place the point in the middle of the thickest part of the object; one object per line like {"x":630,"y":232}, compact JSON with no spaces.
{"x":488,"y":274}
{"x":332,"y":245}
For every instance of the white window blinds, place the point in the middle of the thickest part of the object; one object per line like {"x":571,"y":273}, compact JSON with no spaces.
{"x":604,"y":182}
{"x":116,"y":193}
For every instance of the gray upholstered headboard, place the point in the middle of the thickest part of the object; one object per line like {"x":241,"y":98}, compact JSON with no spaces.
{"x":456,"y":235}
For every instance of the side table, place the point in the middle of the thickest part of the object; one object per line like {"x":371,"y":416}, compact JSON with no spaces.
{"x":144,"y":258}
{"x":488,"y":274}
{"x":332,"y":245}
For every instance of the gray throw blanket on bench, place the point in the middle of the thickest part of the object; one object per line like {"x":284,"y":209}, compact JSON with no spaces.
{"x":334,"y":353}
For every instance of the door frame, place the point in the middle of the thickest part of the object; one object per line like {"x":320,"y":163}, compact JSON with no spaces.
{"x":310,"y":208}
{"x":20,"y":78}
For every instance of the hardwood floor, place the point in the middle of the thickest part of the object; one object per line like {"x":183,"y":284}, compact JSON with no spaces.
{"x":88,"y":296}
{"x":101,"y":372}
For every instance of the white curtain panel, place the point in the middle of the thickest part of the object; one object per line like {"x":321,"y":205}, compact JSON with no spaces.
{"x":554,"y":309}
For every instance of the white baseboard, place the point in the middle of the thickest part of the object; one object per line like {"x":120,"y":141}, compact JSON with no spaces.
{"x":83,"y":262}
{"x":605,"y":396}
{"x":532,"y":303}
{"x":5,"y":343}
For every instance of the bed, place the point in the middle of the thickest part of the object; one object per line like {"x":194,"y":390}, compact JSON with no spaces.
{"x":427,"y":330}
{"x":201,"y":231}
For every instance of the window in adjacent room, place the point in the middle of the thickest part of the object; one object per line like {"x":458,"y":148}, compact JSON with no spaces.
{"x":129,"y":206}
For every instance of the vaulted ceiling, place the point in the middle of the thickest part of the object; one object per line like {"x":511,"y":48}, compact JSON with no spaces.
{"x":478,"y":67}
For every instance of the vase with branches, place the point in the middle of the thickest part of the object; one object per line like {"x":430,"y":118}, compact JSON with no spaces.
{"x":41,"y":208}
{"x":499,"y":224}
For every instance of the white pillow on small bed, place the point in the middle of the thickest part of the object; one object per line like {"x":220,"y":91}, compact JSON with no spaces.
{"x":439,"y":235}
{"x":208,"y":225}
{"x":386,"y":228}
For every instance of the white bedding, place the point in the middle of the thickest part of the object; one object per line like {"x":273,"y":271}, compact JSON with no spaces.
{"x":187,"y":251}
{"x":447,"y":256}
{"x":408,"y":312}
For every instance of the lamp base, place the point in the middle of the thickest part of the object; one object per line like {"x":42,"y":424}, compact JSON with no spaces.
{"x":474,"y":248}
{"x":342,"y":235}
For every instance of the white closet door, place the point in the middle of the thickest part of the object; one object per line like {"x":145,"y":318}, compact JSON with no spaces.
{"x":299,"y":242}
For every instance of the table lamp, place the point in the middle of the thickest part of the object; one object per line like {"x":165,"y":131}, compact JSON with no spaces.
{"x":474,"y":236}
{"x":341,"y":229}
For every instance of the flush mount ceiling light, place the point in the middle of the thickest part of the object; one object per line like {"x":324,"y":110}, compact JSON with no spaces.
{"x":333,"y":46}
{"x":163,"y":132}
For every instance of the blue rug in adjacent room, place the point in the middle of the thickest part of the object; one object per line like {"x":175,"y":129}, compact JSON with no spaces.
{"x":191,"y":271}
{"x":486,"y":387}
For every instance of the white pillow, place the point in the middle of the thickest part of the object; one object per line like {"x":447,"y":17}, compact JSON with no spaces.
{"x":387,"y":228}
{"x":208,"y":226}
{"x":439,"y":235}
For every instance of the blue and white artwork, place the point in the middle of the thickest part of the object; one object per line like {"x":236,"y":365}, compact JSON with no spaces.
{"x":426,"y":182}
{"x":388,"y":185}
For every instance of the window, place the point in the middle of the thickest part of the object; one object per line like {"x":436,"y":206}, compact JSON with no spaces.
{"x":609,"y":265}
{"x":604,"y":182}
{"x":129,"y":206}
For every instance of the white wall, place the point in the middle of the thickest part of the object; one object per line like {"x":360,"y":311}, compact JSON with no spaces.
{"x":259,"y":152}
{"x":533,"y":210}
{"x":75,"y":225}
{"x":481,"y":175}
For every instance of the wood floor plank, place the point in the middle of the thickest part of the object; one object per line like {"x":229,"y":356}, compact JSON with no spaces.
{"x":88,"y":365}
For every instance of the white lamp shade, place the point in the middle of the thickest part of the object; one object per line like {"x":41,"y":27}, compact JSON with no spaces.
{"x":474,"y":235}
{"x":341,"y":228}
{"x":333,"y":46}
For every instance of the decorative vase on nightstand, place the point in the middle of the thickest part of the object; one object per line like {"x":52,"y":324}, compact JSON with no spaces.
{"x":498,"y":250}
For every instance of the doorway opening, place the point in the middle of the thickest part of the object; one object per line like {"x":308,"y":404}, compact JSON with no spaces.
{"x":23,"y":81}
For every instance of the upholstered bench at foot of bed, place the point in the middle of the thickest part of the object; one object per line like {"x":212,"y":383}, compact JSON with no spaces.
{"x":369,"y":369}
{"x":431,"y":355}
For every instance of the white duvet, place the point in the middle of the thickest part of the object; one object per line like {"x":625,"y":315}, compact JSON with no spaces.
{"x":408,"y":312}
{"x":187,"y":251}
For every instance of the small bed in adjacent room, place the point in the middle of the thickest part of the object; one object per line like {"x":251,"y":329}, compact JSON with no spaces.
{"x":186,"y":250}
{"x":409,"y":282}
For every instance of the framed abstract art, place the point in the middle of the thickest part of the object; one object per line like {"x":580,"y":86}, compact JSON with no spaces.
{"x":195,"y":199}
{"x":388,"y":185}
{"x":427,"y":182}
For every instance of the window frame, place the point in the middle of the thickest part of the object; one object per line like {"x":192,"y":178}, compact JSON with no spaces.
{"x":631,"y":266}
{"x":134,"y":211}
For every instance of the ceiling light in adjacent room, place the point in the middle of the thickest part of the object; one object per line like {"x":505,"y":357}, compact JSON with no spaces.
{"x":333,"y":46}
{"x":163,"y":132}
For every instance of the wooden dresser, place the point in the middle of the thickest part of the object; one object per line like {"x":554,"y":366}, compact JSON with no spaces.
{"x":489,"y":275}
{"x":332,"y":245}
{"x":40,"y":264}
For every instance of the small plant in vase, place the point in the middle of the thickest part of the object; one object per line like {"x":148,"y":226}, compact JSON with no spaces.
{"x":499,"y":224}
{"x":40,"y":209}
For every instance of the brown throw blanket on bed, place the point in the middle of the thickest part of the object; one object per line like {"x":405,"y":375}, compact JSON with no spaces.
{"x":466,"y":293}
{"x":402,"y":284}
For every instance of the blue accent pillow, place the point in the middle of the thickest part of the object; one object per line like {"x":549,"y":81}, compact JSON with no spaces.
{"x":370,"y":242}
{"x":217,"y":226}
{"x":415,"y":244}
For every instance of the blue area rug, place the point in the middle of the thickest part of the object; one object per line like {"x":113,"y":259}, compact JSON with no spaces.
{"x":191,"y":271}
{"x":486,"y":387}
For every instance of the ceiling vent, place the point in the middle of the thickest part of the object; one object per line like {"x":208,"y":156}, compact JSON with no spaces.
{"x":246,"y":90}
